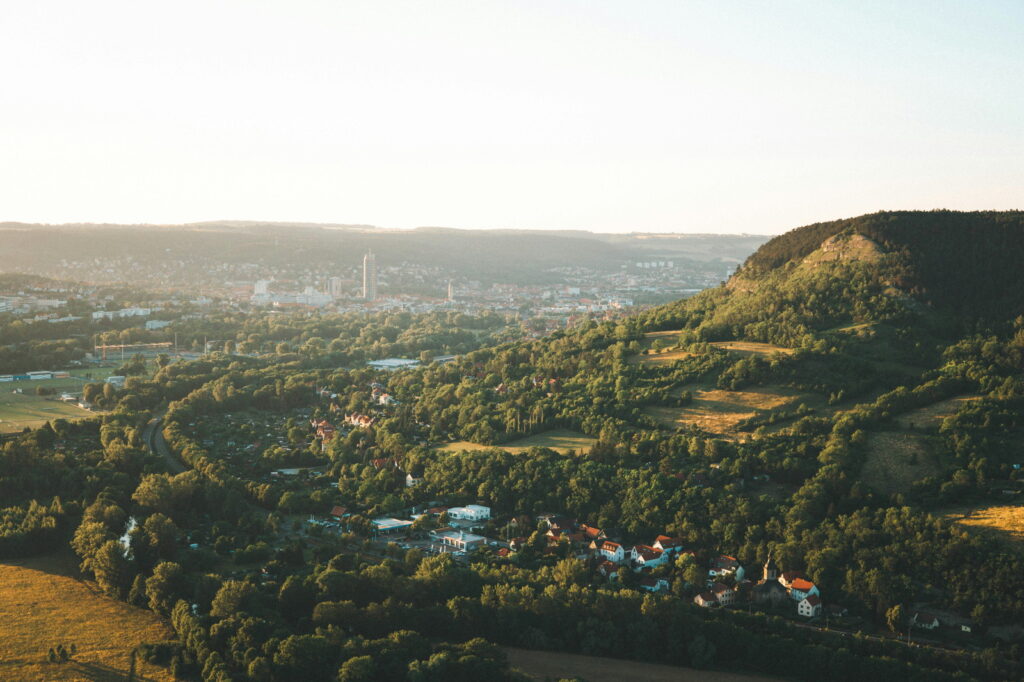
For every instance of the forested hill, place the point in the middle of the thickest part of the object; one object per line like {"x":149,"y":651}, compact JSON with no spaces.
{"x":969,"y":263}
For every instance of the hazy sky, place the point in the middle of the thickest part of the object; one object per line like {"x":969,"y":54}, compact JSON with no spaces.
{"x":716,"y":116}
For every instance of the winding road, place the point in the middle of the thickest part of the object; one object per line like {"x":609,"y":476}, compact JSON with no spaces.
{"x":153,"y":434}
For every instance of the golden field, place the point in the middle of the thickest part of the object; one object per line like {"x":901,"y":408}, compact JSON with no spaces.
{"x":44,"y":603}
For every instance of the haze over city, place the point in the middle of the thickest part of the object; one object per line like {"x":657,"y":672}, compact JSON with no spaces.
{"x":613,"y":117}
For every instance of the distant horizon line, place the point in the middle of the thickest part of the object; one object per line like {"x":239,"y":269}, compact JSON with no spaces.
{"x":370,"y":228}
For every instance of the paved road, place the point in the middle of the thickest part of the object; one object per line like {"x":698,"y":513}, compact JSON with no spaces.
{"x":153,"y":434}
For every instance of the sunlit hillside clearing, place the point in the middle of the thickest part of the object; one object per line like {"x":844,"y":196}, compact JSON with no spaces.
{"x":43,"y":604}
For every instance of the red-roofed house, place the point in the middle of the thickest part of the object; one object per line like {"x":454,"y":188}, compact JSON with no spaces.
{"x":787,"y":578}
{"x":611,"y":551}
{"x":645,"y":556}
{"x":592,"y":533}
{"x":339,"y":512}
{"x":800,"y":588}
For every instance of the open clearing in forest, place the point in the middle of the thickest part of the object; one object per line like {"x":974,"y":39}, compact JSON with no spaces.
{"x":1005,"y":521}
{"x":661,"y":359}
{"x":718,"y":411}
{"x":752,"y":348}
{"x":18,"y":410}
{"x":560,"y":440}
{"x":43,"y":603}
{"x":552,"y":665}
{"x":666,"y":357}
{"x":931,"y":416}
{"x":897,"y":460}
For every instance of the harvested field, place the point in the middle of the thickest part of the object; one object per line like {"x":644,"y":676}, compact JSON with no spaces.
{"x":897,"y":460}
{"x":43,"y":603}
{"x":1005,"y":521}
{"x":550,"y":665}
{"x":931,"y":416}
{"x":752,"y":348}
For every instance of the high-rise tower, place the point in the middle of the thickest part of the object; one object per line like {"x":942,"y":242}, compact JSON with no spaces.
{"x":369,"y":277}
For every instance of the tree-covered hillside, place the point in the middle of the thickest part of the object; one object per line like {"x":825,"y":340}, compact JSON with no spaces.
{"x":968,"y":262}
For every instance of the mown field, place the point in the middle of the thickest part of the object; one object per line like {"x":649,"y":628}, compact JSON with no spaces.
{"x":1005,"y":521}
{"x":550,"y":665}
{"x":43,"y":603}
{"x":560,"y":440}
{"x":719,"y":412}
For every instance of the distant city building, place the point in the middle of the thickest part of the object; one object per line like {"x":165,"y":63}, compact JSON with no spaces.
{"x":369,"y":277}
{"x":262,"y":287}
{"x":451,"y":291}
{"x":334,"y":287}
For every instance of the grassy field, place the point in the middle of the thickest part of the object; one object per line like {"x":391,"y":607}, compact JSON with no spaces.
{"x":660,"y":359}
{"x":752,"y":348}
{"x":1005,"y":521}
{"x":43,"y":603}
{"x":18,"y":410}
{"x":720,"y":411}
{"x":931,"y":416}
{"x":896,"y":460}
{"x":560,"y":440}
{"x":550,"y":665}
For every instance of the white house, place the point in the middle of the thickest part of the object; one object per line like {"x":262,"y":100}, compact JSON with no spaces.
{"x":809,"y":607}
{"x":644,"y":556}
{"x":725,"y":565}
{"x":471,"y":512}
{"x":705,"y":600}
{"x":653,"y":584}
{"x":612,"y":551}
{"x":723,"y":593}
{"x":412,"y":481}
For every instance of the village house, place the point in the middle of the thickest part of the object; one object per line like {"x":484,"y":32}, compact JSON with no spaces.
{"x":609,"y":570}
{"x":723,"y":593}
{"x":612,"y":551}
{"x":769,"y":590}
{"x":787,"y":578}
{"x":672,"y":547}
{"x":924,"y":620}
{"x":809,"y":607}
{"x":412,"y":481}
{"x":800,"y":589}
{"x":651,"y":584}
{"x":705,"y":600}
{"x":645,"y":556}
{"x":724,"y":565}
{"x":592,"y":533}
